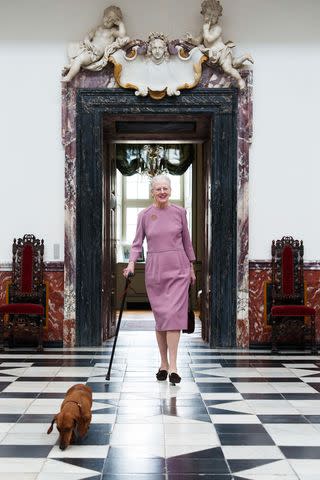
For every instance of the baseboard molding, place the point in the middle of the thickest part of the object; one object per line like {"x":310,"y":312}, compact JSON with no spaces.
{"x":282,"y":346}
{"x":53,"y":344}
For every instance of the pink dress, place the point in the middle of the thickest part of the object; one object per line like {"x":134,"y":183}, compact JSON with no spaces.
{"x":167,"y":273}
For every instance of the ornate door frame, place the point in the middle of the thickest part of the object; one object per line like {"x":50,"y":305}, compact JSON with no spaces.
{"x":84,"y":102}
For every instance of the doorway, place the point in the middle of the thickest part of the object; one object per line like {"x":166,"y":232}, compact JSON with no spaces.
{"x":136,"y":163}
{"x":203,"y":116}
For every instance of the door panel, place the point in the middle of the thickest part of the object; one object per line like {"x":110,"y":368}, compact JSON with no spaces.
{"x":108,"y":310}
{"x":206,"y":301}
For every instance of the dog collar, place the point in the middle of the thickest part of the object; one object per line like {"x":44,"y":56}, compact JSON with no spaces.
{"x":73,"y":401}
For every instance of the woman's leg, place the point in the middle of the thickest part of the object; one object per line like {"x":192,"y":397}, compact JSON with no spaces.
{"x":163,"y":349}
{"x":173,"y":337}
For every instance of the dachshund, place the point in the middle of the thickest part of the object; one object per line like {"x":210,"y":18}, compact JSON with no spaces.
{"x":75,"y":415}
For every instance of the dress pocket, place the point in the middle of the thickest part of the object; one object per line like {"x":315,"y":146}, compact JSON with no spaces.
{"x":184,"y":261}
{"x":152,"y":270}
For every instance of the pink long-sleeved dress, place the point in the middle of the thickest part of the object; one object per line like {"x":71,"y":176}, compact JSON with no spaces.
{"x":167,"y":272}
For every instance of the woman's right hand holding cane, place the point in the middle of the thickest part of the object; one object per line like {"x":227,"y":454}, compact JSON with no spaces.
{"x":129,"y":269}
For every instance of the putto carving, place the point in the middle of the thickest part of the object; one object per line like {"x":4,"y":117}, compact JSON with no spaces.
{"x":94,"y":51}
{"x":211,"y":44}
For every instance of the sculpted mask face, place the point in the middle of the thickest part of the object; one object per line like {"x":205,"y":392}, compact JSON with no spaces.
{"x":158,"y":49}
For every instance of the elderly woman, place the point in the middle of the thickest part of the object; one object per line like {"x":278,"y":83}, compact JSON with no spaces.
{"x":169,"y":270}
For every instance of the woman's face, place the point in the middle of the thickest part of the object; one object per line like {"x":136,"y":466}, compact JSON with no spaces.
{"x":161,"y":193}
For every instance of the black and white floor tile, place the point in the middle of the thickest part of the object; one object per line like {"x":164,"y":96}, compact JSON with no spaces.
{"x":236,"y":414}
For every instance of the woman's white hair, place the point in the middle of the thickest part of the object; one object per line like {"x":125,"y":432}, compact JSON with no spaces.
{"x":159,"y":179}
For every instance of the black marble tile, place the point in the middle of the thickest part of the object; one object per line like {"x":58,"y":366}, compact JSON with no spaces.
{"x":52,"y":395}
{"x":283,"y":418}
{"x":207,"y":387}
{"x":35,"y":418}
{"x":105,"y":387}
{"x":213,"y":453}
{"x":90,"y":463}
{"x":4,"y":385}
{"x":53,"y":379}
{"x":301,"y":396}
{"x":139,"y":476}
{"x":301,"y":452}
{"x":94,"y":477}
{"x":182,"y":411}
{"x":18,"y":395}
{"x":248,"y":379}
{"x":76,"y":362}
{"x":313,"y":418}
{"x":46,"y":363}
{"x":220,"y":411}
{"x":244,"y":464}
{"x":25,"y":451}
{"x":236,"y":428}
{"x":217,"y":402}
{"x":193,"y":476}
{"x":104,"y":411}
{"x":135,"y":466}
{"x":262,"y":396}
{"x":94,"y":437}
{"x":245,"y":439}
{"x":9,"y":417}
{"x":316,"y":386}
{"x":193,"y":465}
{"x":284,"y":379}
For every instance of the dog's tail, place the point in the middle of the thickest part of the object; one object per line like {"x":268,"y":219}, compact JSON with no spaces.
{"x":51,"y":426}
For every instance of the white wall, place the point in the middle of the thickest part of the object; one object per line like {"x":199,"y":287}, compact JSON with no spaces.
{"x":284,"y":39}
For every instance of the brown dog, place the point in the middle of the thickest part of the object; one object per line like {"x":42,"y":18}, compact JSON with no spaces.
{"x":75,"y":415}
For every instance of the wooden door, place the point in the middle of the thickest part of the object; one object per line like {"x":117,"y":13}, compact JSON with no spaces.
{"x":206,"y":300}
{"x":108,"y":304}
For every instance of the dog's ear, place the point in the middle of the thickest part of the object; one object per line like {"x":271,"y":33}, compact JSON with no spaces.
{"x":51,"y":426}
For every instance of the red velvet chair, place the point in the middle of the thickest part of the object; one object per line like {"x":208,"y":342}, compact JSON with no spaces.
{"x":288,"y":288}
{"x":27,"y":292}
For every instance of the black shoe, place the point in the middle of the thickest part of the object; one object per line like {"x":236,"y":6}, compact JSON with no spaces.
{"x":162,"y":375}
{"x":174,"y":378}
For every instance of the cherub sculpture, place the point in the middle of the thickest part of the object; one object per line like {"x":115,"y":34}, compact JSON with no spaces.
{"x":93,"y":52}
{"x":211,"y":44}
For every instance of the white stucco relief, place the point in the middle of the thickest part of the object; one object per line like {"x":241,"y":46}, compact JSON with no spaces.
{"x":155,"y":67}
{"x":157,"y":72}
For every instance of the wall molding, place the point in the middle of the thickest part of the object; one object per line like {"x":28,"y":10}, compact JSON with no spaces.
{"x":266,"y":265}
{"x":48,"y":266}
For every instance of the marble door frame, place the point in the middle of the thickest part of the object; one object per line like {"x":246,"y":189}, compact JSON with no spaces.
{"x":84,"y":101}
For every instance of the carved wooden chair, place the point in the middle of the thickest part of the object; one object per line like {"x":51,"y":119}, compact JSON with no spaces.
{"x":288,"y":289}
{"x":27,"y":293}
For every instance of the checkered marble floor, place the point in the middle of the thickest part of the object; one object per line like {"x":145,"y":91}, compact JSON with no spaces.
{"x":236,"y":414}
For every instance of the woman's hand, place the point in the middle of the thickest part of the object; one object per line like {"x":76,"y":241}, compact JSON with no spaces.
{"x":129,"y":269}
{"x":192,"y":275}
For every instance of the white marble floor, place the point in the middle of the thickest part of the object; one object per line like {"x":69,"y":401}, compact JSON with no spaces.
{"x":236,"y":414}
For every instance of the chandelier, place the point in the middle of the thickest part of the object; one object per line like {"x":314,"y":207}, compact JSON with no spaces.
{"x":154,"y":158}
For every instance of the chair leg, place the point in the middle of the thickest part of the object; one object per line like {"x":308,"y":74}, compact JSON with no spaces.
{"x":40,"y":332}
{"x":313,"y":335}
{"x":274,"y":348}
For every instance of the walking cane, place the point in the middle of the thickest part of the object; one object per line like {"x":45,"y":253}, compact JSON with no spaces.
{"x":128,"y":281}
